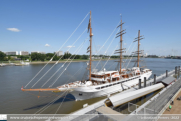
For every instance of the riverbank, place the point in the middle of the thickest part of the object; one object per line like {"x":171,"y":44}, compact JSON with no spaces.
{"x":61,"y":61}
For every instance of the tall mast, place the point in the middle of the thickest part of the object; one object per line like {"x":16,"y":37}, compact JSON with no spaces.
{"x":138,"y":52}
{"x":138,"y":58}
{"x":121,"y":41}
{"x":90,"y":61}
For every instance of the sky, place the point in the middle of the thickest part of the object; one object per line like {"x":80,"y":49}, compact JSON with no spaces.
{"x":45,"y":25}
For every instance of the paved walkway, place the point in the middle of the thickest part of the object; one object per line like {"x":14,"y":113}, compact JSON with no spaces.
{"x":176,"y":108}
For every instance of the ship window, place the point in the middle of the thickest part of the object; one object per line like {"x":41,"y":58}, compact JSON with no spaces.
{"x":110,"y":85}
{"x":114,"y":84}
{"x":80,"y":94}
{"x":102,"y":87}
{"x":107,"y":85}
{"x":98,"y":87}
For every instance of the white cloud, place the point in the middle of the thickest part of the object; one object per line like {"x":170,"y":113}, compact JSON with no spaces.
{"x":47,"y":45}
{"x":70,"y":46}
{"x":13,"y":29}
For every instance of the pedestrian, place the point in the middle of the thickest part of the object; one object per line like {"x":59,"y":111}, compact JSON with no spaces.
{"x":171,"y":102}
{"x":170,"y":107}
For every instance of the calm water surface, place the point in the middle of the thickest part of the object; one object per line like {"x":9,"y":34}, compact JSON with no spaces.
{"x":12,"y":78}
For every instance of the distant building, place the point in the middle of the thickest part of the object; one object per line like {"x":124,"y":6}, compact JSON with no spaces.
{"x":12,"y":53}
{"x":38,"y":52}
{"x":34,"y":52}
{"x":42,"y":52}
{"x":23,"y":53}
{"x":96,"y":58}
{"x":152,"y":56}
{"x":67,"y":52}
{"x":146,"y":54}
{"x":59,"y":53}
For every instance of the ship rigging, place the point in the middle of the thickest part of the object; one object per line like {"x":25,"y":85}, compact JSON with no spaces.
{"x":103,"y":82}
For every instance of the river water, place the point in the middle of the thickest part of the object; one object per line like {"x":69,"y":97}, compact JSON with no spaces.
{"x":12,"y":78}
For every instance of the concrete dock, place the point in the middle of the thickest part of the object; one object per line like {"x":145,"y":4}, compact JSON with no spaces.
{"x":153,"y":106}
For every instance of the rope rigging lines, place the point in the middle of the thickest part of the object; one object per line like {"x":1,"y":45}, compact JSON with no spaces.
{"x":106,"y":51}
{"x":109,"y":57}
{"x":69,"y":62}
{"x":64,"y":63}
{"x":105,"y":41}
{"x":48,"y":105}
{"x":59,"y":59}
{"x":57,"y":51}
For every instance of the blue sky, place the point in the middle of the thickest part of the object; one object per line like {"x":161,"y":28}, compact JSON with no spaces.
{"x":52,"y":21}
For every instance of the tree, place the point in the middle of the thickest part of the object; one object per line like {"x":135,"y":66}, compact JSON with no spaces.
{"x":34,"y":56}
{"x":9,"y":57}
{"x":67,"y":55}
{"x":42,"y":57}
{"x":5,"y":59}
{"x":2,"y":56}
{"x":84,"y":56}
{"x":77,"y":57}
{"x":12,"y":59}
{"x":55,"y":58}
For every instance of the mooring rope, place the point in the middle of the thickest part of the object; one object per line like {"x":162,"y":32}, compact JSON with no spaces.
{"x":46,"y":106}
{"x":61,"y":103}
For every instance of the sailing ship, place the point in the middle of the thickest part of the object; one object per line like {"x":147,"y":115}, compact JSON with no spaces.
{"x":104,"y":83}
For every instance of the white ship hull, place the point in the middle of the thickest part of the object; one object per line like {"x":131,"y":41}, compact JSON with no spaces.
{"x":82,"y":93}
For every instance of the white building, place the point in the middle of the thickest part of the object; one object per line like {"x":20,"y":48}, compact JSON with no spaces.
{"x":12,"y":53}
{"x":23,"y":53}
{"x":59,"y":53}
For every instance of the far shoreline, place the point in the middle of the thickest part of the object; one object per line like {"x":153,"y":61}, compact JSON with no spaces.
{"x":44,"y":62}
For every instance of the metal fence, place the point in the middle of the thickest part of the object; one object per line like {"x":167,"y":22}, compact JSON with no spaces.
{"x":157,"y":104}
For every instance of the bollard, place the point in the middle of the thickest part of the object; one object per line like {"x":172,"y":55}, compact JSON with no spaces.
{"x":178,"y":71}
{"x":139,"y":83}
{"x":175,"y":70}
{"x":166,"y":73}
{"x":154,"y":78}
{"x":144,"y":81}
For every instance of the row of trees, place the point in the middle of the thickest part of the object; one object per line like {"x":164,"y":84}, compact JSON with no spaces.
{"x":2,"y":56}
{"x":48,"y":56}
